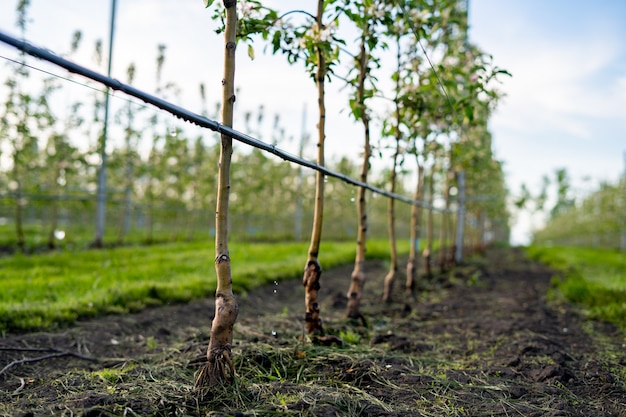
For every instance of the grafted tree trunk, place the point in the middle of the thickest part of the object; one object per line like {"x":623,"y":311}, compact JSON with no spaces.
{"x":313,"y":269}
{"x":219,"y":369}
{"x":412,"y":265}
{"x":357,"y":279}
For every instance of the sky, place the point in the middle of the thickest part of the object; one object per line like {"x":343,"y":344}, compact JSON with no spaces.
{"x":564,"y":106}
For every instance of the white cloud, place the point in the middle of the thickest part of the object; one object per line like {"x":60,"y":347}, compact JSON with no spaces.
{"x":555,"y":85}
{"x":565,"y":102}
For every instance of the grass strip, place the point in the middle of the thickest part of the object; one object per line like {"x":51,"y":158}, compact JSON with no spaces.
{"x":593,"y":278}
{"x":40,"y":291}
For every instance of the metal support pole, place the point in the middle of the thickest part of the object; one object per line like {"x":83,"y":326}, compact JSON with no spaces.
{"x":458,"y":255}
{"x":622,"y":243}
{"x":102,"y":179}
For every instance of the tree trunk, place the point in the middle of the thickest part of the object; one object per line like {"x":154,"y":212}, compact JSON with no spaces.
{"x":412,"y":265}
{"x":393,"y":262}
{"x":54,"y":218}
{"x":128,"y":186}
{"x":219,"y":369}
{"x":125,"y":220}
{"x":313,"y":269}
{"x":19,"y":211}
{"x":482,"y":219}
{"x":357,"y":279}
{"x":429,"y":225}
{"x":150,"y":212}
{"x":443,"y":227}
{"x":54,"y":209}
{"x":452,"y":247}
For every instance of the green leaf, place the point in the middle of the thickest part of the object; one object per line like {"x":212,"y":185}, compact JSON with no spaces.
{"x":469,"y":113}
{"x":356,"y":108}
{"x":250,"y":51}
{"x":208,"y":3}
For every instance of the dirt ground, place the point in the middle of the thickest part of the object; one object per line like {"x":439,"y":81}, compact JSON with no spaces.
{"x":483,"y":340}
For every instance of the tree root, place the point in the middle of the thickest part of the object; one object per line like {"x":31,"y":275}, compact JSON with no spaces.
{"x":55,"y":354}
{"x":219,"y":370}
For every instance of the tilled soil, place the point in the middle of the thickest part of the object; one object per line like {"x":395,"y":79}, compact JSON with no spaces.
{"x":482,"y":340}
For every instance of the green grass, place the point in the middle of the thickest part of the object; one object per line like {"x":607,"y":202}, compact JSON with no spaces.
{"x":594,"y":278}
{"x":40,"y":291}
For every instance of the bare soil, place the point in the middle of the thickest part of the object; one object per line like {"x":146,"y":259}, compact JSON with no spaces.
{"x":482,"y":340}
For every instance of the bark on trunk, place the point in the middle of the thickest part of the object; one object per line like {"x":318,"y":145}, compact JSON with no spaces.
{"x":481,"y":232}
{"x":128,"y":192}
{"x":429,"y":225}
{"x":128,"y":186}
{"x":19,"y":213}
{"x":220,"y":369}
{"x":393,"y":264}
{"x":443,"y":228}
{"x":412,"y":265}
{"x":54,"y":218}
{"x":150,"y":211}
{"x":357,"y":279}
{"x":54,"y":209}
{"x":453,"y":228}
{"x":313,"y":269}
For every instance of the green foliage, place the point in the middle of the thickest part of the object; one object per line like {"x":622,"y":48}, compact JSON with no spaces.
{"x":302,"y":41}
{"x":253,"y":19}
{"x":597,"y":220}
{"x":161,"y":179}
{"x":350,"y":337}
{"x":593,"y":278}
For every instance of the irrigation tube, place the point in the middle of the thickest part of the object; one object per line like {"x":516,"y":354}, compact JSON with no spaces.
{"x":196,"y":118}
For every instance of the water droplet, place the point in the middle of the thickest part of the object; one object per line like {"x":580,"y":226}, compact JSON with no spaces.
{"x":59,"y":234}
{"x":352,"y":199}
{"x":325,"y":178}
{"x":275,"y":289}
